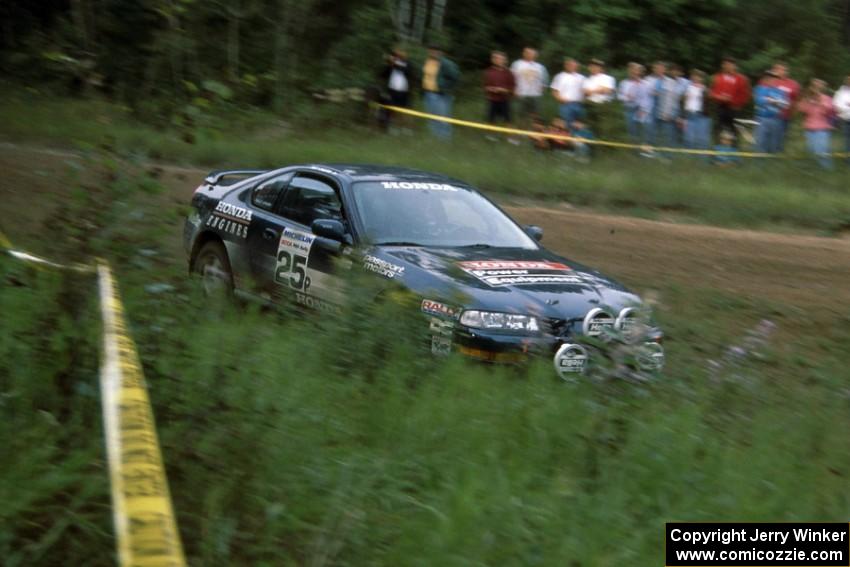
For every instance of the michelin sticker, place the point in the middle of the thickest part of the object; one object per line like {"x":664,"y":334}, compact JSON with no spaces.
{"x":497,"y":273}
{"x":230,"y":219}
{"x":421,"y":186}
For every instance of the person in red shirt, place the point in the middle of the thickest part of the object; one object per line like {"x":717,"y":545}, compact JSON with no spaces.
{"x":730,"y":91}
{"x":499,"y":87}
{"x":791,"y":88}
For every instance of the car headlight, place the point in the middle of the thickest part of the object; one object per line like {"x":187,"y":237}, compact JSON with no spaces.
{"x":499,"y":321}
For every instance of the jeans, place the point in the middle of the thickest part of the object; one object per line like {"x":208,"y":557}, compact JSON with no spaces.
{"x":441,"y":105}
{"x":845,"y":127}
{"x":660,"y":132}
{"x":571,"y":111}
{"x":633,"y":124}
{"x":819,"y":143}
{"x":786,"y":122}
{"x":769,"y":135}
{"x":697,"y":131}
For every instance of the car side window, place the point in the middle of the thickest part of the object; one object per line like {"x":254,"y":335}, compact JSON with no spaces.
{"x":310,"y":198}
{"x":265,"y":195}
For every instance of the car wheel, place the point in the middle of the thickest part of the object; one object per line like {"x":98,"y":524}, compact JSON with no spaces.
{"x":213,"y":268}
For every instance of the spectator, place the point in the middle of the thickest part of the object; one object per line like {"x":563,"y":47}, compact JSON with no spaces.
{"x":666,"y":100}
{"x":634,"y":95}
{"x":439,"y":78}
{"x":791,"y":88}
{"x":567,"y":90}
{"x":697,"y":121}
{"x":730,"y":91}
{"x":770,"y":102}
{"x":841,"y":102}
{"x":396,"y":78}
{"x":559,"y":127}
{"x":816,"y":105}
{"x":677,"y":73}
{"x":539,"y":142}
{"x":530,"y":78}
{"x":726,"y":151}
{"x":582,"y":131}
{"x":599,"y":90}
{"x":499,"y":88}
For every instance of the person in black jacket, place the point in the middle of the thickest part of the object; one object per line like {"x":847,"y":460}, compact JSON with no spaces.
{"x":395,"y":82}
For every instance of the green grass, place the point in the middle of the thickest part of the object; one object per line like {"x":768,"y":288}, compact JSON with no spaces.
{"x":773,"y":194}
{"x":337,"y":441}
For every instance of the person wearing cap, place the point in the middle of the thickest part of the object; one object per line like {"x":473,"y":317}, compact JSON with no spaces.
{"x":771,"y":102}
{"x":730,"y":91}
{"x":439,"y":78}
{"x":567,"y":89}
{"x":531,"y":78}
{"x":599,"y":89}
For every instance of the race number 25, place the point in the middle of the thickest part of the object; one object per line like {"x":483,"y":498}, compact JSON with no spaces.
{"x":291,"y":270}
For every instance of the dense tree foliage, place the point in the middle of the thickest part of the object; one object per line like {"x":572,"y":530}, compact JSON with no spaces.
{"x":270,"y":52}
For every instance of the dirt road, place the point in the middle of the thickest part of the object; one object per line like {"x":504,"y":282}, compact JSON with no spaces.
{"x":804,"y":271}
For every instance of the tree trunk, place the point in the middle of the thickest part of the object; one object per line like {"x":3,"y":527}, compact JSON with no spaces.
{"x":438,"y":11}
{"x":78,"y":15}
{"x":400,"y":12}
{"x":235,"y":14}
{"x":420,"y":18}
{"x":280,"y":44}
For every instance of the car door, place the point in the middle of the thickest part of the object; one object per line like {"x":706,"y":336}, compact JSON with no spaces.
{"x":304,"y":271}
{"x":267,"y":226}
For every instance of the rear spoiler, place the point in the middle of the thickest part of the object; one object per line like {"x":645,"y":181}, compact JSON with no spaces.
{"x":225,"y":177}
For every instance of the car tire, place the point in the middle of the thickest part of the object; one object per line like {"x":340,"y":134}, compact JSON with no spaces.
{"x":212,"y":266}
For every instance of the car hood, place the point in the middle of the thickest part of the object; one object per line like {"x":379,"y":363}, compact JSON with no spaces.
{"x":511,"y":280}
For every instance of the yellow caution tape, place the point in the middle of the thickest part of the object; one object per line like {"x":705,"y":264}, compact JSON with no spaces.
{"x":144,"y":518}
{"x":145,"y":526}
{"x":606,"y":143}
{"x":27,"y":257}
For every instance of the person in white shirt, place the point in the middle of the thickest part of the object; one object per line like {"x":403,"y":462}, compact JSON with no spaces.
{"x":531,"y":78}
{"x":599,"y":89}
{"x":567,"y":90}
{"x":841,"y":103}
{"x":697,"y":131}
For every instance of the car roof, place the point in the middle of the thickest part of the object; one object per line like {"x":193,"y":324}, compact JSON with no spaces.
{"x":370,"y":172}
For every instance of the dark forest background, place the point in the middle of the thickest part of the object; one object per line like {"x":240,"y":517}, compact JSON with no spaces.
{"x":274,"y":53}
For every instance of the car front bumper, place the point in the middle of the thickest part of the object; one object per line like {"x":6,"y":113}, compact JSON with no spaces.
{"x":570,"y":354}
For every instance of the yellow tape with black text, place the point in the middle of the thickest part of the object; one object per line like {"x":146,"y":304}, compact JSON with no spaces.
{"x":145,"y":526}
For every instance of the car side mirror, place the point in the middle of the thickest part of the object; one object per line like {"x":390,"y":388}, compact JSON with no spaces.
{"x":534,"y":232}
{"x":329,"y":228}
{"x":330,"y":234}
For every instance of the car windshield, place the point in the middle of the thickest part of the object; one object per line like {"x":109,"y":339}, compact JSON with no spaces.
{"x":434,"y":214}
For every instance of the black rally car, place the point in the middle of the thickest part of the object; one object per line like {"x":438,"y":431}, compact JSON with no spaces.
{"x":487,"y":288}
